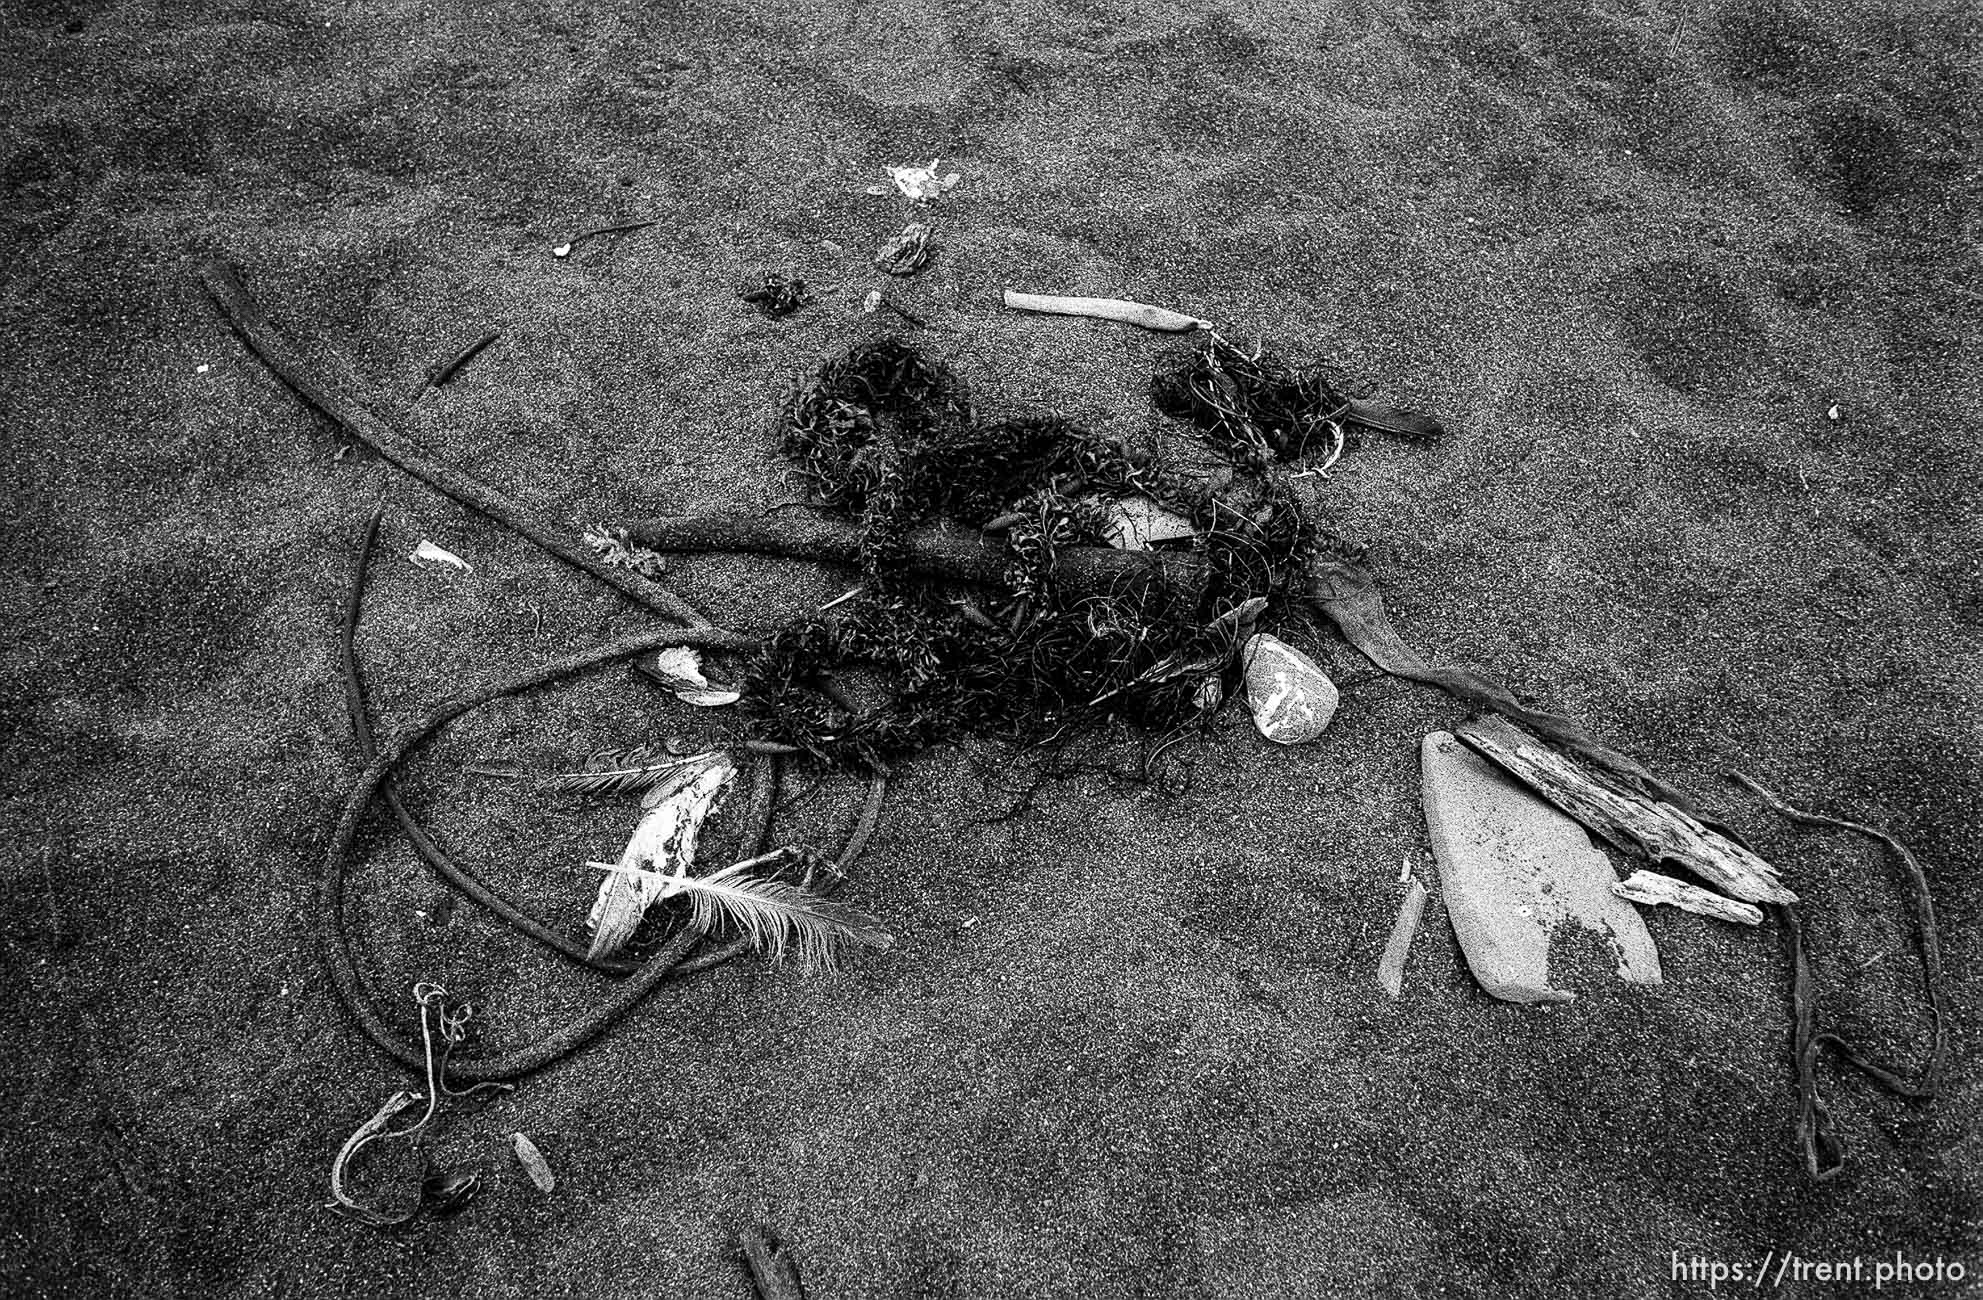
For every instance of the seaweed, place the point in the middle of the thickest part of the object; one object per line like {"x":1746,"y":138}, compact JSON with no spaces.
{"x":1261,"y":409}
{"x":776,"y":296}
{"x":892,"y":440}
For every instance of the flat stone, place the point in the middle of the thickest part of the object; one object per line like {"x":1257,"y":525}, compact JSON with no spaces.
{"x":1514,"y":871}
{"x":1292,"y":699}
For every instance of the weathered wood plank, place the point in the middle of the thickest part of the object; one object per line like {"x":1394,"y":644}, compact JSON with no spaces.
{"x":1630,"y":821}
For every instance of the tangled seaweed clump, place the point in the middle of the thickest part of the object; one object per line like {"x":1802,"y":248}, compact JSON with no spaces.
{"x":892,"y":439}
{"x":1260,"y":409}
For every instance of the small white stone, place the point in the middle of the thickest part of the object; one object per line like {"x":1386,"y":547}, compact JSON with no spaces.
{"x":1292,"y":699}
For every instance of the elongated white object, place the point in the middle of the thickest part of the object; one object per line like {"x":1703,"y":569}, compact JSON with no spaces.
{"x":1652,"y":887}
{"x":1129,"y":313}
{"x":1391,"y":970}
{"x":428,"y":554}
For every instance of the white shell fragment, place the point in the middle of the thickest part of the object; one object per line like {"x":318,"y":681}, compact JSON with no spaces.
{"x":1208,"y":696}
{"x":1651,"y":887}
{"x":1136,"y":522}
{"x":872,"y":303}
{"x":682,"y":667}
{"x":918,"y":183}
{"x":1292,"y":699}
{"x":1391,"y":967}
{"x":428,"y":555}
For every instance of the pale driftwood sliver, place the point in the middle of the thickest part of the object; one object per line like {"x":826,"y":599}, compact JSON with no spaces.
{"x":1650,"y":887}
{"x":1391,"y":970}
{"x":1129,"y":313}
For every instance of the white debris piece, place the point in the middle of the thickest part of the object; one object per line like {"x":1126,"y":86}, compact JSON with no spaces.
{"x":918,"y":183}
{"x":428,"y":555}
{"x":1651,"y":887}
{"x":662,"y":846}
{"x":681,"y":667}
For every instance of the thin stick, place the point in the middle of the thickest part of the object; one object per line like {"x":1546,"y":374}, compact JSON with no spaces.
{"x":441,"y":374}
{"x":904,"y":313}
{"x":564,"y":249}
{"x":1115,"y":309}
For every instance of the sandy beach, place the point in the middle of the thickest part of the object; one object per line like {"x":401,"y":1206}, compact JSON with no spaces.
{"x":1694,"y":288}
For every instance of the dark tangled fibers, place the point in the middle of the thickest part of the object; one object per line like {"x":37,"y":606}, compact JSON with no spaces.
{"x":891,"y":438}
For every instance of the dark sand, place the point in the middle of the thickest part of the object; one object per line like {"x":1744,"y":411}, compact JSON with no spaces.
{"x":1632,"y":252}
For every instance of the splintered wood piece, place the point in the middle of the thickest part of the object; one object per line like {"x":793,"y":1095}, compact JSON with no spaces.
{"x":1630,"y":821}
{"x":1129,"y":313}
{"x":1650,"y":887}
{"x":1391,"y":970}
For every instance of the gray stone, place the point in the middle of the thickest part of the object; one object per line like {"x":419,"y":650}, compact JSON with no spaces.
{"x":1292,"y":699}
{"x":1514,"y":871}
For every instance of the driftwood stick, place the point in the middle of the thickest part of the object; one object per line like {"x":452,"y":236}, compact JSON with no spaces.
{"x":1115,"y":309}
{"x":1391,"y":970}
{"x":960,"y":555}
{"x":1626,"y":818}
{"x":323,"y":377}
{"x":1651,"y":888}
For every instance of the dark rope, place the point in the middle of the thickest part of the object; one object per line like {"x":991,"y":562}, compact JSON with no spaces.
{"x":323,"y":377}
{"x":335,"y":947}
{"x":460,"y":878}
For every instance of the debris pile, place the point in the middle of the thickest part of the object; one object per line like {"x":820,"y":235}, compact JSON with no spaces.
{"x":888,"y":440}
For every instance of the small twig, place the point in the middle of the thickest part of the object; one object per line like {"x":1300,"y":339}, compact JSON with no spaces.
{"x":904,"y":312}
{"x":564,"y":249}
{"x":439,"y":375}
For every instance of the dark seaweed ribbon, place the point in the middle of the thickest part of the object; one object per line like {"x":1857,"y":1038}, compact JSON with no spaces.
{"x":1824,"y":1152}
